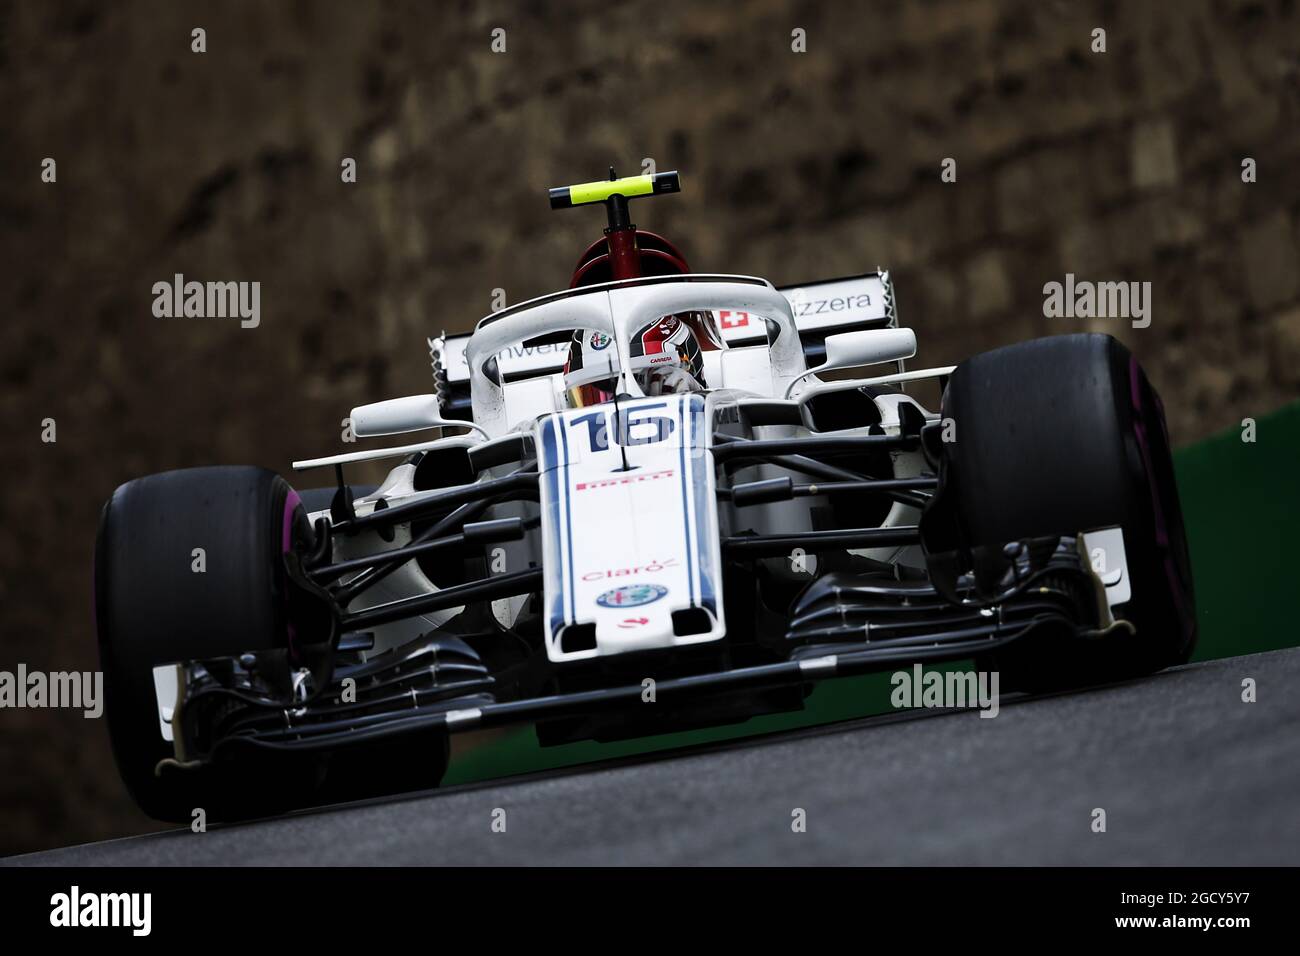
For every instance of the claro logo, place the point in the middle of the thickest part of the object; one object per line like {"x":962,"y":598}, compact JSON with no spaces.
{"x":652,"y":567}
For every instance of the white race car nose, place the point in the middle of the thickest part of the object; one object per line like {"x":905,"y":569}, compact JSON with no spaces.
{"x":629,"y":518}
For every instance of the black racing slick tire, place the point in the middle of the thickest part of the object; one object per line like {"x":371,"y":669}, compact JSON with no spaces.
{"x":160,"y":599}
{"x":1061,"y":435}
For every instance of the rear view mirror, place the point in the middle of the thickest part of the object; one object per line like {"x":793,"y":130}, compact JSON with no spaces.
{"x":399,"y":415}
{"x":867,"y":347}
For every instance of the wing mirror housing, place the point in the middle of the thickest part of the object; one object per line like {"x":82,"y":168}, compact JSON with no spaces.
{"x":397,"y":416}
{"x":867,"y":347}
{"x":864,"y":347}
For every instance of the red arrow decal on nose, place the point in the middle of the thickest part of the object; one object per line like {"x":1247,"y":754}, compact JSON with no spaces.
{"x":634,"y":622}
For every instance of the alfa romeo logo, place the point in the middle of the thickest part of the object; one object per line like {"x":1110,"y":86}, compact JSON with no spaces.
{"x":632,"y":595}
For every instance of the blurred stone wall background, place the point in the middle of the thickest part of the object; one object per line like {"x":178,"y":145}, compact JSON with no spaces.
{"x":225,"y":166}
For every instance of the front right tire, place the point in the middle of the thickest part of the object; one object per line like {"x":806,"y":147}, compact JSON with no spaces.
{"x":1057,"y":436}
{"x":189,"y":565}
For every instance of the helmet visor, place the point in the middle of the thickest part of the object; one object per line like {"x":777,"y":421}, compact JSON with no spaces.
{"x":593,"y":393}
{"x":591,"y":373}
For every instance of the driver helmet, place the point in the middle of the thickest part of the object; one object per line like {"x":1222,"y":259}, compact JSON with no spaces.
{"x":665,"y":358}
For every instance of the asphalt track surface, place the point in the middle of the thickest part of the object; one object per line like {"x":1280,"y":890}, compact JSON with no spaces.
{"x":1187,"y":773}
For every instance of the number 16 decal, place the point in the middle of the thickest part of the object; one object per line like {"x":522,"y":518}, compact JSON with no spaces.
{"x":598,"y":432}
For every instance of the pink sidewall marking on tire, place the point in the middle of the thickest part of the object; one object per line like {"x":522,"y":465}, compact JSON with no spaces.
{"x":291,"y":503}
{"x":1186,"y":619}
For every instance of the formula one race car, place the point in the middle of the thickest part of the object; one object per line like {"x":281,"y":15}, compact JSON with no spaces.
{"x":650,"y":509}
